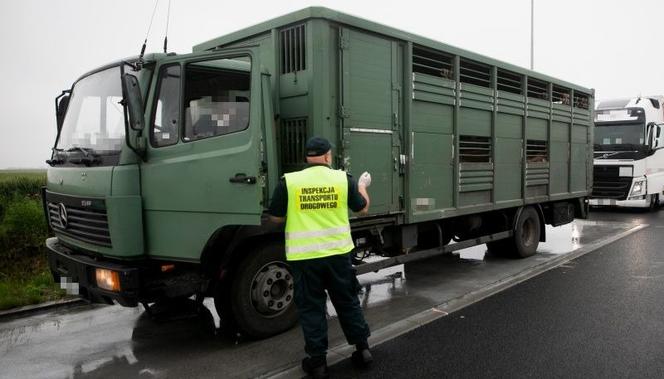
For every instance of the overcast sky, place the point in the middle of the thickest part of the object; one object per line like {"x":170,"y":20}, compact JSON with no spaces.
{"x":613,"y":46}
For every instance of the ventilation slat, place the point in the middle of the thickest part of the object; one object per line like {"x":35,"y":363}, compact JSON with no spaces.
{"x":423,"y":68}
{"x":510,"y":82}
{"x":293,"y":135}
{"x":293,"y":49}
{"x":537,"y":151}
{"x":538,"y":89}
{"x":474,"y":149}
{"x":581,"y":100}
{"x":475,"y":73}
{"x":431,"y":62}
{"x":561,"y":95}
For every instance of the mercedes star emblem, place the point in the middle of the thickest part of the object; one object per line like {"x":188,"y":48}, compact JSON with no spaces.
{"x":62,"y":212}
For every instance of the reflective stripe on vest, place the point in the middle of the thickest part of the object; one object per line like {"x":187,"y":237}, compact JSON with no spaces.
{"x":317,"y":215}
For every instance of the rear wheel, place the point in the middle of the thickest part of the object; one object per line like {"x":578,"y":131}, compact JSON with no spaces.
{"x":262,"y":293}
{"x":525,"y":240}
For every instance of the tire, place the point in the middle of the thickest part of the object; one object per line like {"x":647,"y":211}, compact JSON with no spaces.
{"x":525,"y":240}
{"x":262,"y":293}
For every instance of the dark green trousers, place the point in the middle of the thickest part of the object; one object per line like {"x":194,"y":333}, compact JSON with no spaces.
{"x":336,"y":275}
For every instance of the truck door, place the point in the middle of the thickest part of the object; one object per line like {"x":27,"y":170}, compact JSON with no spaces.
{"x":204,"y":161}
{"x":371,"y":114}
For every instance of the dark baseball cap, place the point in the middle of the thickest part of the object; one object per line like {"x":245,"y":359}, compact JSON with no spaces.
{"x":317,"y":146}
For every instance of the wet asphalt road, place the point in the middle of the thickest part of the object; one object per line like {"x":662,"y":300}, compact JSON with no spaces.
{"x":598,"y":316}
{"x":111,"y":341}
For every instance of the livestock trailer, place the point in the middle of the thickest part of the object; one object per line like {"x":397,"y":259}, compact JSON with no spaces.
{"x":164,"y":164}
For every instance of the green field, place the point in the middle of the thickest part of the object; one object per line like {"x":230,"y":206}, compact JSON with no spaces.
{"x":11,"y":175}
{"x":24,"y":275}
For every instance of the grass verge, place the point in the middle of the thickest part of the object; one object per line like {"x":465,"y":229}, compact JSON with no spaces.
{"x":28,"y":286}
{"x":24,"y":275}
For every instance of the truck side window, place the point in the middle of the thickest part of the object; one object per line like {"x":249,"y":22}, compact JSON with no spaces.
{"x":216,"y":98}
{"x":165,"y":127}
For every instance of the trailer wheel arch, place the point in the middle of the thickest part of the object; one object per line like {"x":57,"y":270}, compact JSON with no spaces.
{"x":223,"y":249}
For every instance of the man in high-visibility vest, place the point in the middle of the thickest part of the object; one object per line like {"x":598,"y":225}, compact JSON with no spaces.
{"x":314,"y":203}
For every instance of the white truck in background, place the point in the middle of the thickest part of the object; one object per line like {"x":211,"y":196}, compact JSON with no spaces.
{"x":628,"y":156}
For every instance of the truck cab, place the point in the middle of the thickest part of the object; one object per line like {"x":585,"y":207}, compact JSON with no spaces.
{"x":628,"y":157}
{"x":153,"y":155}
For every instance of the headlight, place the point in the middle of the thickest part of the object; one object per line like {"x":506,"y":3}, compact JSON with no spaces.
{"x":108,"y":279}
{"x":639,"y":188}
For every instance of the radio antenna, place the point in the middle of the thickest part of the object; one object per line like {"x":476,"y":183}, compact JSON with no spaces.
{"x":140,"y":57}
{"x":168,"y":18}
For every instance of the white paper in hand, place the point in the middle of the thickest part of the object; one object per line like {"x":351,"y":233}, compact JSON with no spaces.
{"x":365,"y":179}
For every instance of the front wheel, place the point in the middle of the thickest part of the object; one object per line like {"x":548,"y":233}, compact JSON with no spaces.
{"x":262,"y":293}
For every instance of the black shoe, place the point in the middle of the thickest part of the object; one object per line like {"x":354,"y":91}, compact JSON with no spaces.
{"x":315,"y":368}
{"x":362,"y":358}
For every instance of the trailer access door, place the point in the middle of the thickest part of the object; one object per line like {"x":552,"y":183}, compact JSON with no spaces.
{"x":371,"y":82}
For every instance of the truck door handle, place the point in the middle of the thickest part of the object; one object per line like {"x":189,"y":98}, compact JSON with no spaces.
{"x":242,"y":178}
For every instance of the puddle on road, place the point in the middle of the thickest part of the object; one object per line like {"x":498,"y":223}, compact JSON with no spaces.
{"x":560,"y":240}
{"x":386,"y":285}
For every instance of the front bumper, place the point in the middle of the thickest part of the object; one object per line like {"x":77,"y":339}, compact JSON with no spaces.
{"x":642,"y":203}
{"x":65,"y":262}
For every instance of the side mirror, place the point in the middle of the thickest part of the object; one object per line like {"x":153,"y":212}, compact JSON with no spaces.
{"x":61,"y":105}
{"x":133,"y":101}
{"x":650,"y":130}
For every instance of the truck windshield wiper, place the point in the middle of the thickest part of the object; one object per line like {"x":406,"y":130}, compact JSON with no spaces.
{"x":605,"y":154}
{"x":57,"y":158}
{"x":88,"y":156}
{"x":85,"y":150}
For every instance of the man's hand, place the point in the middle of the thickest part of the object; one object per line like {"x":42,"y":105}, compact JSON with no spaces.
{"x":364,"y":180}
{"x":362,"y":183}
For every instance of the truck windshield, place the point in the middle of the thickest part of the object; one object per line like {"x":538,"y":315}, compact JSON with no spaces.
{"x":95,"y":118}
{"x":617,"y":133}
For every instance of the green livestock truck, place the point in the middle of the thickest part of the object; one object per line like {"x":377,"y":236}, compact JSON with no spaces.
{"x":164,"y":164}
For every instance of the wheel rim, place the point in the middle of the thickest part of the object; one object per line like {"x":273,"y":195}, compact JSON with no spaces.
{"x":272,"y":289}
{"x":528,"y":232}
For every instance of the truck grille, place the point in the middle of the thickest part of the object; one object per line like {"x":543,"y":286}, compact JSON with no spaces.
{"x":607,"y":184}
{"x":84,"y":224}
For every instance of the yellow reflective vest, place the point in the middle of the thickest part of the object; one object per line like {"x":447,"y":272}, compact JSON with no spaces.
{"x":317,"y":215}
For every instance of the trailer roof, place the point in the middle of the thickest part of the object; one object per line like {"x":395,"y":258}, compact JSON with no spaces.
{"x":357,"y":22}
